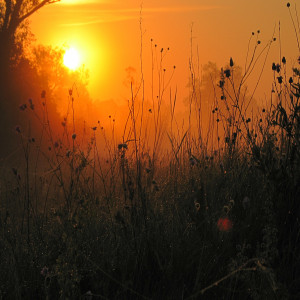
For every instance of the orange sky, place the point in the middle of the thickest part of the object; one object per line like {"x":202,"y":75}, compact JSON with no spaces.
{"x":107,"y":33}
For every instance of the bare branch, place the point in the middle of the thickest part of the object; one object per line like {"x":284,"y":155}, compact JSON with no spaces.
{"x":36,"y":8}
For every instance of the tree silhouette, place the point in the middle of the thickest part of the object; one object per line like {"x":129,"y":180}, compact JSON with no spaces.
{"x":13,"y":14}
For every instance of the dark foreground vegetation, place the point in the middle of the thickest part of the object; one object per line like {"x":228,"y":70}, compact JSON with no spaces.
{"x":193,"y":224}
{"x":212,"y":214}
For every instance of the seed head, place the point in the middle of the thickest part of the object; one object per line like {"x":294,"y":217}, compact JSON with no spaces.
{"x":227,"y":73}
{"x":22,"y":107}
{"x":197,"y":206}
{"x":278,"y":68}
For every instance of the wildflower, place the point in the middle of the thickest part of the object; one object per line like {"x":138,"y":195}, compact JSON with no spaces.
{"x":284,"y":60}
{"x":44,"y":271}
{"x":74,"y":136}
{"x":224,"y":224}
{"x":231,"y":62}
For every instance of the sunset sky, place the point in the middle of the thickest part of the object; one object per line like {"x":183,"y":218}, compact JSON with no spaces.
{"x":107,"y":35}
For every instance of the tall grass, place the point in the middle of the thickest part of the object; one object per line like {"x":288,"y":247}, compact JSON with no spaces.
{"x":186,"y":212}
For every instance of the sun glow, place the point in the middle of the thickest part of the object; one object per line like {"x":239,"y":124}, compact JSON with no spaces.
{"x":72,"y":59}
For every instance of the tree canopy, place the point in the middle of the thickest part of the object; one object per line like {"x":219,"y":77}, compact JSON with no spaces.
{"x":13,"y":28}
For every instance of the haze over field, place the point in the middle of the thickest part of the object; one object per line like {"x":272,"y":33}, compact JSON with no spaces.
{"x":108,"y":35}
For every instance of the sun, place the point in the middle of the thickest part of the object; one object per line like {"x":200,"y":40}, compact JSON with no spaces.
{"x":72,"y":59}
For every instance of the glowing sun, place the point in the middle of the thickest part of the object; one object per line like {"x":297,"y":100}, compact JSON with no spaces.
{"x":72,"y":59}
